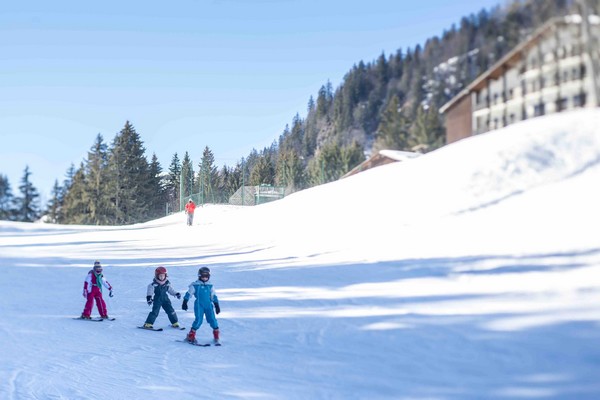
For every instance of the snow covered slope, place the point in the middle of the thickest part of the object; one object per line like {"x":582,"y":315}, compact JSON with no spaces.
{"x":470,"y":272}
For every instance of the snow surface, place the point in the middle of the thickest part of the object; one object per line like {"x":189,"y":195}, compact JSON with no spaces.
{"x":471,"y":272}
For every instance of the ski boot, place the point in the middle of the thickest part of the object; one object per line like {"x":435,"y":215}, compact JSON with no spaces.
{"x":191,"y":336}
{"x":175,"y":325}
{"x":148,"y":326}
{"x":216,"y":341}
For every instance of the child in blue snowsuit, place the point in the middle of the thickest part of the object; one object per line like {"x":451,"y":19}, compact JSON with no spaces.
{"x":203,"y":305}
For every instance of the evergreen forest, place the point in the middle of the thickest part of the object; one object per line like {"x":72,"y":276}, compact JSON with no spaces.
{"x":390,"y":102}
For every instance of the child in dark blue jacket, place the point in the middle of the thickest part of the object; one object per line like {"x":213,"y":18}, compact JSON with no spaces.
{"x":158,"y":293}
{"x":203,"y":305}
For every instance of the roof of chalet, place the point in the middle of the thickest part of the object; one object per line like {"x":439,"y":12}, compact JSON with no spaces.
{"x":513,"y":57}
{"x":380,"y":158}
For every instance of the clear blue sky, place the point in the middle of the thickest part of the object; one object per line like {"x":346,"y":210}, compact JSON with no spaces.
{"x":228,"y":74}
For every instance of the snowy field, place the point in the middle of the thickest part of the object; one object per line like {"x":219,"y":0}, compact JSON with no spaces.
{"x":472,"y":272}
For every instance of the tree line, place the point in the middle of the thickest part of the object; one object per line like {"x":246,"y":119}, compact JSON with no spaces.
{"x":389,"y":103}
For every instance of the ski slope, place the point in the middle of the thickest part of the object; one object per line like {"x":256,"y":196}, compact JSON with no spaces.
{"x":471,"y":272}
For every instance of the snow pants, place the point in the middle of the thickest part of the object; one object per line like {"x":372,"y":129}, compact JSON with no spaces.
{"x":200,"y":312}
{"x":190,"y":219}
{"x":95,"y":294}
{"x":166,"y":305}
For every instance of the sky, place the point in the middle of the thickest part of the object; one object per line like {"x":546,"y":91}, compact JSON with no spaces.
{"x":476,"y":275}
{"x":224,"y":74}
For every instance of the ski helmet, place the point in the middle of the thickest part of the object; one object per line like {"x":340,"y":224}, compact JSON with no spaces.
{"x":204,"y":272}
{"x":97,"y":266}
{"x":160,"y":270}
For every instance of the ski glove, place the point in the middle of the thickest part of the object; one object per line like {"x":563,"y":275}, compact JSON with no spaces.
{"x":217,"y":308}
{"x":178,"y":295}
{"x":110,"y":294}
{"x":149,"y":300}
{"x":184,"y":305}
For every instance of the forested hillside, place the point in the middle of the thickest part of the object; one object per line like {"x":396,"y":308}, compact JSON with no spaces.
{"x":391,"y":102}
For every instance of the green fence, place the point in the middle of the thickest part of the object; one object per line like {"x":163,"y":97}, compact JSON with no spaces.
{"x":244,"y":196}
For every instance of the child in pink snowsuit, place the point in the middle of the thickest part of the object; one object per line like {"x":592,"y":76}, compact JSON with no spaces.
{"x":92,"y":289}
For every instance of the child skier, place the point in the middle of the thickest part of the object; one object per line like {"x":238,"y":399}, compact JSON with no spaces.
{"x":92,"y":290}
{"x":203,"y":305}
{"x":160,"y":288}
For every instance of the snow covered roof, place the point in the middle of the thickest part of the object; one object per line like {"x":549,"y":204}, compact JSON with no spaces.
{"x":381,"y":158}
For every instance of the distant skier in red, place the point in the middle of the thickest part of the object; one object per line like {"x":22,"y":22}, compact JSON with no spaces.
{"x":92,"y":290}
{"x":189,"y":210}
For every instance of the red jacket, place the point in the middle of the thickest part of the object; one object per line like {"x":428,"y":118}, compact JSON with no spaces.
{"x":190,"y":207}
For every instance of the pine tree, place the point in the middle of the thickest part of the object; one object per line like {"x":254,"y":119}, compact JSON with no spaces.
{"x":263,"y":172}
{"x":207,"y":176}
{"x":428,"y":132}
{"x":27,"y":206}
{"x":97,"y":184}
{"x":158,"y":185}
{"x":392,"y":133}
{"x":7,"y":210}
{"x":76,"y":202}
{"x":54,"y":208}
{"x":290,"y":171}
{"x":187,"y":175}
{"x":352,"y":156}
{"x":172,"y":186}
{"x":236,"y":178}
{"x":327,"y":166}
{"x":66,"y":186}
{"x":129,"y":175}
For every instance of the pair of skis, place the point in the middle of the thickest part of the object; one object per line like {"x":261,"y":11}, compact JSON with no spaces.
{"x":98,"y":319}
{"x":198,"y":344}
{"x":182,"y":341}
{"x":181,"y":328}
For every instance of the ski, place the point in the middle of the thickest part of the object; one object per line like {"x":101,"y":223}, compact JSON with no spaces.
{"x":194,"y":343}
{"x":151,"y":329}
{"x":181,"y":328}
{"x":90,"y":319}
{"x":108,"y":319}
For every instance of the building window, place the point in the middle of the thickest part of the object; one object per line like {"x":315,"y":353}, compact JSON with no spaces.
{"x":565,"y":76}
{"x":477,"y":98}
{"x":524,"y":87}
{"x":495,"y":123}
{"x":512,"y":118}
{"x":495,"y":98}
{"x":511,"y":94}
{"x":582,"y":71}
{"x":539,"y":109}
{"x":561,"y":104}
{"x":579,"y":100}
